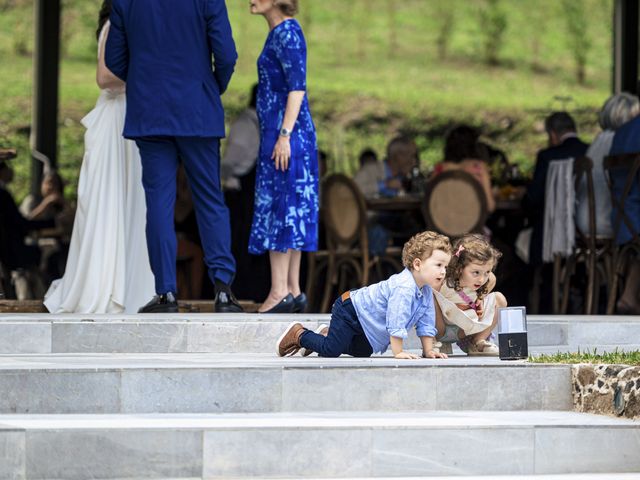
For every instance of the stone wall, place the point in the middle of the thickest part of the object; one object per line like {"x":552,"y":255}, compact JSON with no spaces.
{"x":607,"y":389}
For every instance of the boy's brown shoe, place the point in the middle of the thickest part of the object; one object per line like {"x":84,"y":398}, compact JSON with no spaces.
{"x":321,"y":330}
{"x":289,"y":342}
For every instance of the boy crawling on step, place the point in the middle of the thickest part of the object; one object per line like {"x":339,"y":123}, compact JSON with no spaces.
{"x":369,"y":319}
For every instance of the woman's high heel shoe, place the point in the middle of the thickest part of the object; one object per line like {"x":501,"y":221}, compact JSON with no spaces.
{"x":286,"y":305}
{"x":300,"y":303}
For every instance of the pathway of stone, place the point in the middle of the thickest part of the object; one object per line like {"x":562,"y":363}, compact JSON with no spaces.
{"x":204,"y":396}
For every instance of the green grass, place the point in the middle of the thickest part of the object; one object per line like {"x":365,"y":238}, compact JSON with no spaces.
{"x":616,"y":357}
{"x":362,"y":91}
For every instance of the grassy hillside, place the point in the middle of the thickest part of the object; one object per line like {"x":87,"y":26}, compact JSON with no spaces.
{"x":374,"y":71}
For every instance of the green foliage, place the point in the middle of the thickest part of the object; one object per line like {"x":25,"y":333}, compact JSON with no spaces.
{"x":493,"y":26}
{"x":445,"y":11}
{"x":360,"y":96}
{"x":615,"y":357}
{"x":578,"y":34}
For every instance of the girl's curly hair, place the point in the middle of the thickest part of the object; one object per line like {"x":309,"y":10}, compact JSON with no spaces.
{"x":470,"y":248}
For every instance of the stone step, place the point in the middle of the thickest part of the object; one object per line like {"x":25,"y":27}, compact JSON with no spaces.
{"x":185,"y":306}
{"x":254,"y":333}
{"x":564,"y":476}
{"x":226,"y":383}
{"x":329,"y":444}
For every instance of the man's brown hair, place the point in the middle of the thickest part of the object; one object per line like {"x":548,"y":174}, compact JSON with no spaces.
{"x":422,"y":246}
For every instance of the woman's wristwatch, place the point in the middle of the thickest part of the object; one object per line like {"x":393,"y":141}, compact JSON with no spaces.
{"x":285,"y":132}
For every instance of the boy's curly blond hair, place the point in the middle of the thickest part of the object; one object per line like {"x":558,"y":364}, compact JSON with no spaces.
{"x":422,"y":246}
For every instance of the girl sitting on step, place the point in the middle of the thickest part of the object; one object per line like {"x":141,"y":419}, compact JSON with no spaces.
{"x":466,"y":311}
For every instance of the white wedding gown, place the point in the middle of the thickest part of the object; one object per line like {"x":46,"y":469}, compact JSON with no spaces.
{"x":108,"y":267}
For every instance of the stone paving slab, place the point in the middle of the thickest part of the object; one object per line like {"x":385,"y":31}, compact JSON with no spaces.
{"x":87,"y":361}
{"x":183,"y":383}
{"x":254,"y":333}
{"x":568,"y":476}
{"x":330,"y":444}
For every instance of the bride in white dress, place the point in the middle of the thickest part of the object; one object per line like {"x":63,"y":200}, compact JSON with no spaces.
{"x":108,"y":267}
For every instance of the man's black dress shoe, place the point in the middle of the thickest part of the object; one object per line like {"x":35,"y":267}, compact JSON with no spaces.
{"x":285,"y":306}
{"x":165,"y":303}
{"x":300,"y":303}
{"x":225,"y":302}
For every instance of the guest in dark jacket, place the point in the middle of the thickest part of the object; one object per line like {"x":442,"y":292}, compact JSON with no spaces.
{"x":14,"y":253}
{"x":563,"y":143}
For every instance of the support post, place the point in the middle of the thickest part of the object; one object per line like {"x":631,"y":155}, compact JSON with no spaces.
{"x":46,"y":57}
{"x":626,"y":41}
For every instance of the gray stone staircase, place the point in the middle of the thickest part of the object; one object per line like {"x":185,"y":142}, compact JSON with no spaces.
{"x":203,"y":396}
{"x":253,"y":333}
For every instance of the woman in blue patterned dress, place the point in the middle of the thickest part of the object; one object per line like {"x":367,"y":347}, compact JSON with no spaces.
{"x":285,"y":219}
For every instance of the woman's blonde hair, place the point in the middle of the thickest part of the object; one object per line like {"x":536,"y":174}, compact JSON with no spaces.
{"x":287,"y":7}
{"x":618,"y":110}
{"x":422,"y":246}
{"x":470,"y":248}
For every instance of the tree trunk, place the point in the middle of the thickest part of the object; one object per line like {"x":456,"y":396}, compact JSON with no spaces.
{"x":393,"y":28}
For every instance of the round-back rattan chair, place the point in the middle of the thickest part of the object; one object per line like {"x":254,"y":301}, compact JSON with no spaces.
{"x":454,"y":204}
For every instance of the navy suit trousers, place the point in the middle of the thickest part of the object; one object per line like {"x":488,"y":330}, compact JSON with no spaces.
{"x":201,"y":158}
{"x":345,"y":334}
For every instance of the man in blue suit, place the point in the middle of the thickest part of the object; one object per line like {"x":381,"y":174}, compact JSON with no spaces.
{"x":627,"y":141}
{"x":163,"y":50}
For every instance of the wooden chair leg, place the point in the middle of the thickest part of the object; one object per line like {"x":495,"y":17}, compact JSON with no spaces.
{"x":331,"y":277}
{"x":589,"y":301}
{"x":310,"y":284}
{"x":343,"y":273}
{"x":597,"y":283}
{"x":613,"y":285}
{"x":566,"y":276}
{"x":534,"y":297}
{"x":556,"y":284}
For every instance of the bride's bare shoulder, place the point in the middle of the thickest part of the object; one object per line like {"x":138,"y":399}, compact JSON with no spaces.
{"x":104,"y":78}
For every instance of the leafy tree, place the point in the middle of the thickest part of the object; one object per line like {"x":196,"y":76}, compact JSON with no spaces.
{"x":446,"y":19}
{"x":493,"y":26}
{"x":393,"y":27}
{"x":578,"y":35}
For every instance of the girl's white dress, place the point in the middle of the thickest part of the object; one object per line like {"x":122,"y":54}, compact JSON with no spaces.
{"x":467,"y":320}
{"x":108,"y":267}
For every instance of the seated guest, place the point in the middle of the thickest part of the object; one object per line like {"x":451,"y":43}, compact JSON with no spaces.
{"x":563,"y":144}
{"x":617,"y":110}
{"x":54,"y":245}
{"x":52,"y":203}
{"x":14,"y":253}
{"x":370,"y":174}
{"x":462,"y":151}
{"x":627,"y":140}
{"x":402,"y":156}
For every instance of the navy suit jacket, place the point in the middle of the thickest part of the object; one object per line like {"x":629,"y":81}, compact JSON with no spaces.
{"x":572,"y":147}
{"x":627,"y":138}
{"x":163,"y":50}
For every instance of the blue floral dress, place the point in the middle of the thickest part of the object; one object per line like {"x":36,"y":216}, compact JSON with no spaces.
{"x":286,"y":203}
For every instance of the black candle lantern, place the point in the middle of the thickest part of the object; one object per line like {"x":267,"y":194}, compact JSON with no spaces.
{"x":512,"y":333}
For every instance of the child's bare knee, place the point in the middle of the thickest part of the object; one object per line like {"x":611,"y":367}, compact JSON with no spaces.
{"x":501,"y":300}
